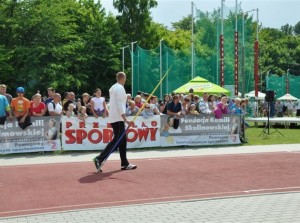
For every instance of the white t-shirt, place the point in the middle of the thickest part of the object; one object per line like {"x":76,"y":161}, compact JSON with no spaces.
{"x":98,"y":103}
{"x":117,"y":103}
{"x":58,"y":107}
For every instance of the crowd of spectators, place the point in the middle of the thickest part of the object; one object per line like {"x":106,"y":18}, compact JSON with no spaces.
{"x":143,"y":104}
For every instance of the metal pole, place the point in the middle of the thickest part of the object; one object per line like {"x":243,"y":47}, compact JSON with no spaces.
{"x":167,"y":67}
{"x":132,"y":64}
{"x":257,"y":24}
{"x":287,"y":81}
{"x":236,"y":16}
{"x":222,"y":17}
{"x":160,"y":76}
{"x":243,"y":53}
{"x":138,"y":70}
{"x":123,"y":57}
{"x":236,"y":56}
{"x":222,"y":46}
{"x":192,"y":55}
{"x":256,"y":49}
{"x":243,"y":56}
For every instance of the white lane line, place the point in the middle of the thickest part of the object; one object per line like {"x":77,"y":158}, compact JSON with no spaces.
{"x":63,"y":162}
{"x":219,"y":195}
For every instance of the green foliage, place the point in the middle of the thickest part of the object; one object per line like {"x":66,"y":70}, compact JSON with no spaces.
{"x":297,"y":28}
{"x":74,"y":45}
{"x":287,"y":29}
{"x":183,"y":24}
{"x":68,"y":44}
{"x":278,"y":52}
{"x":135,"y":20}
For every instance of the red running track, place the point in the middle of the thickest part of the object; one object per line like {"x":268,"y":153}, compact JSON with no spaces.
{"x":67,"y":186}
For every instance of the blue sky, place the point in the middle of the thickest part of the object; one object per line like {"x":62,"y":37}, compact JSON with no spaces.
{"x":272,"y":13}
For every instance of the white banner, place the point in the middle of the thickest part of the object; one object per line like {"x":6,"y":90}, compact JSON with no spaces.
{"x":94,"y":134}
{"x":42,"y":135}
{"x":196,"y":130}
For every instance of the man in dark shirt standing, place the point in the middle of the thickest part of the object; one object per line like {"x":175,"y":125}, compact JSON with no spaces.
{"x":174,"y":109}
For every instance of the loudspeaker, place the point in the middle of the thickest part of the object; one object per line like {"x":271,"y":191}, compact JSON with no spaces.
{"x":270,"y":96}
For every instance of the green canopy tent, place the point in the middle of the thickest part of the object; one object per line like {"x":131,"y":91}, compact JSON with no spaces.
{"x":200,"y":86}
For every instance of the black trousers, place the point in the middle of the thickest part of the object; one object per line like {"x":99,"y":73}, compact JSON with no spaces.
{"x":119,"y":131}
{"x":26,"y":123}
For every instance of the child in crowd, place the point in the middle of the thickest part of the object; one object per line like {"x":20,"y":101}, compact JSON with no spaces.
{"x":82,"y":115}
{"x":70,"y":110}
{"x":192,"y":110}
{"x":131,"y":109}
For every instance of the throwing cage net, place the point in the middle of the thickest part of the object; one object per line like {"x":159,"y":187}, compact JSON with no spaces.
{"x":150,"y":65}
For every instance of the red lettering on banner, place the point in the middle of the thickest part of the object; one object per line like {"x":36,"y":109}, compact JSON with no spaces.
{"x":153,"y":134}
{"x":69,"y":135}
{"x":80,"y":135}
{"x":107,"y":135}
{"x":144,"y":125}
{"x":77,"y":136}
{"x":91,"y":136}
{"x":143,"y":134}
{"x":81,"y":124}
{"x":95,"y":125}
{"x":68,"y":124}
{"x":154,"y":123}
{"x":134,"y":137}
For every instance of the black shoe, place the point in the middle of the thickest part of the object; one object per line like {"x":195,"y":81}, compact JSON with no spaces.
{"x":129,"y":167}
{"x":97,"y":164}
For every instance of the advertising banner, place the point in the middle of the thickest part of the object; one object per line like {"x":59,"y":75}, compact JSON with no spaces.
{"x":41,"y":135}
{"x":94,"y":134}
{"x":196,"y":130}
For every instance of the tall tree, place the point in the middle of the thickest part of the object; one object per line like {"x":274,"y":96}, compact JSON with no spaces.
{"x":70,"y":44}
{"x":297,"y":28}
{"x":135,"y":19}
{"x":287,"y":29}
{"x":183,"y":24}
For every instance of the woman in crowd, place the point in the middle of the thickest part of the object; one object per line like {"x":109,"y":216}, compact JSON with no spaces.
{"x":37,"y":107}
{"x":164,"y":103}
{"x":98,"y":105}
{"x":138,"y":101}
{"x":86,"y":102}
{"x":211,"y":102}
{"x":222,"y":107}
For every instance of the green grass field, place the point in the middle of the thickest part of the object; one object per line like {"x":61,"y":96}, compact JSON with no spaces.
{"x":290,"y":135}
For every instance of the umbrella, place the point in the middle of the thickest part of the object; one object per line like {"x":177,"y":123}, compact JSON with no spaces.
{"x":260,"y":96}
{"x":200,"y":86}
{"x":288,"y":97}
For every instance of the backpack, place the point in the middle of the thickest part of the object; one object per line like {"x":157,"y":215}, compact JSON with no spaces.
{"x":47,"y":112}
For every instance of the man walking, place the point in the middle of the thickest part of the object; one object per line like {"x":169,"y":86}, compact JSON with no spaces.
{"x":117,"y":119}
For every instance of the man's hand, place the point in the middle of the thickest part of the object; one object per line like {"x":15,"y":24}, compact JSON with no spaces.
{"x":129,"y":123}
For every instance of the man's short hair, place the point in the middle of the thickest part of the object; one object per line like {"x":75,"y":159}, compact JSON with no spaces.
{"x":3,"y":85}
{"x":175,"y":97}
{"x":51,"y":89}
{"x":120,"y":75}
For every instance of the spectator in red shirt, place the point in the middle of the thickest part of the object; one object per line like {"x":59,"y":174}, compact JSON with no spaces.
{"x":37,"y":107}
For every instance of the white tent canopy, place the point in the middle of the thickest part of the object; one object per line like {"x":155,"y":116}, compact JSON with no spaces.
{"x":260,"y":96}
{"x":288,"y":97}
